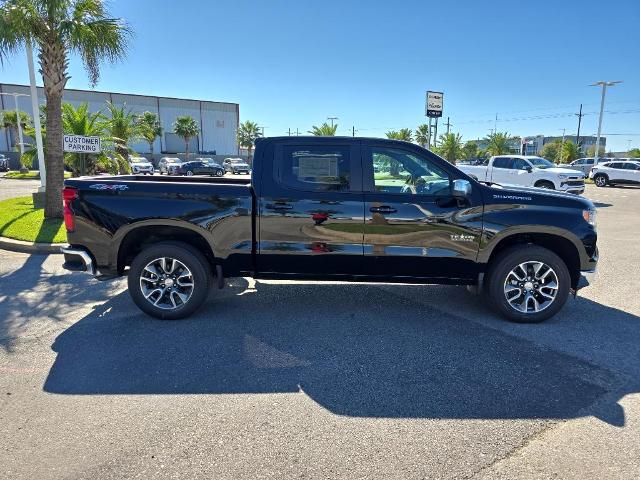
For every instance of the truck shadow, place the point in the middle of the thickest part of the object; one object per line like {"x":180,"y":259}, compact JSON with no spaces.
{"x":357,"y":350}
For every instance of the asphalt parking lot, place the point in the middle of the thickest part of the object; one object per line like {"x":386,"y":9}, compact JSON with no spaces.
{"x":322,"y":380}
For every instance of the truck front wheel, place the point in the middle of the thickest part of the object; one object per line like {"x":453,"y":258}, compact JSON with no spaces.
{"x":528,"y":283}
{"x":545,"y":184}
{"x":169,"y":280}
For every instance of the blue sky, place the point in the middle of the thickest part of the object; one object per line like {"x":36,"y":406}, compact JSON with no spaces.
{"x":292,"y":64}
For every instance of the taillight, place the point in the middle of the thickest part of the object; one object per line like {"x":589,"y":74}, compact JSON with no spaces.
{"x":68,"y":195}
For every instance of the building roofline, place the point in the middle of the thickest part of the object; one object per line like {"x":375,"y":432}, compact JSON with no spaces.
{"x":2,"y":84}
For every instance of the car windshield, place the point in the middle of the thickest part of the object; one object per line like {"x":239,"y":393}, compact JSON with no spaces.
{"x":541,"y":162}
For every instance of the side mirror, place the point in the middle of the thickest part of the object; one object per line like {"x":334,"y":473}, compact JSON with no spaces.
{"x":528,"y":168}
{"x":461,"y":188}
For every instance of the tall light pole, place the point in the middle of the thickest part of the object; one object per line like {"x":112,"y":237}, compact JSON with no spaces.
{"x":36,"y":119}
{"x":604,"y":86}
{"x":561,"y":145}
{"x":15,"y":98}
{"x":332,"y":119}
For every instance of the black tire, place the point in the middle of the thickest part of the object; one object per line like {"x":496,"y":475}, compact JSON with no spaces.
{"x":509,"y":259}
{"x":184,"y":253}
{"x":219,"y":173}
{"x":601,"y":180}
{"x":545,"y":184}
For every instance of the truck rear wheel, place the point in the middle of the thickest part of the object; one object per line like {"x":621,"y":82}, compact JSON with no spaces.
{"x":169,"y":280}
{"x":528,"y":284}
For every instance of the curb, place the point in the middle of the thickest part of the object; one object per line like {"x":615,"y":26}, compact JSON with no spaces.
{"x":28,"y":247}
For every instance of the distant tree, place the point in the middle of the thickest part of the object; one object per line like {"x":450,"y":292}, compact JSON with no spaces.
{"x":591,"y":151}
{"x":248,"y":133}
{"x":499,"y":143}
{"x":186,"y":127}
{"x":422,"y":135}
{"x":470,"y":150}
{"x":569,"y":152}
{"x":324,"y":130}
{"x":404,"y":134}
{"x":551,"y":150}
{"x":450,"y":147}
{"x":122,"y":128}
{"x":149,"y":128}
{"x":634,"y":153}
{"x":9,"y":121}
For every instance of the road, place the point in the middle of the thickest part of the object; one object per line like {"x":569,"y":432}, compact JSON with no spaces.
{"x":10,"y":188}
{"x":321,"y":380}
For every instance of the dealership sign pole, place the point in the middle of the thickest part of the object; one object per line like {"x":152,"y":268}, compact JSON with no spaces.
{"x":82,"y":145}
{"x":433,"y":109}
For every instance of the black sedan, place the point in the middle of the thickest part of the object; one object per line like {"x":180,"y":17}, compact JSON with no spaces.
{"x":201,"y":168}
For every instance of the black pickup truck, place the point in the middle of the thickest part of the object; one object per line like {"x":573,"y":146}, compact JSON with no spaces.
{"x":331,"y":208}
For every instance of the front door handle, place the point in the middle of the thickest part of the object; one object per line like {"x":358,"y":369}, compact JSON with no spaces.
{"x":383,"y":209}
{"x":279,"y":206}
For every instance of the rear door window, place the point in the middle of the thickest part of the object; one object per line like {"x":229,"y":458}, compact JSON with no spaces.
{"x":316,"y":168}
{"x":502,"y":162}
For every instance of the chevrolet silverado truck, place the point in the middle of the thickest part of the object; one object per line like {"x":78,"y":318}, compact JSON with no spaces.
{"x":331,"y":208}
{"x":527,"y":171}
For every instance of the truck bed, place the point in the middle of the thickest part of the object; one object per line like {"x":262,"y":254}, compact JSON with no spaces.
{"x":170,"y":179}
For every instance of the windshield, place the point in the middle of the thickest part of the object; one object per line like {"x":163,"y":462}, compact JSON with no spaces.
{"x":540,"y":162}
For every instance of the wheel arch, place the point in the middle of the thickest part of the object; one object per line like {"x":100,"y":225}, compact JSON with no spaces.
{"x":132,"y":239}
{"x":559,"y":242}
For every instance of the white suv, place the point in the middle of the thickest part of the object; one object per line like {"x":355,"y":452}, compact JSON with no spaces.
{"x":616,"y":172}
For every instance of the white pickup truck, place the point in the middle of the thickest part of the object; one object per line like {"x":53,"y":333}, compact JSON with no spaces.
{"x":526,"y":171}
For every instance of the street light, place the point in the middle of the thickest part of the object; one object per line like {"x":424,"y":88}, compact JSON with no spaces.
{"x":15,"y":98}
{"x":604,"y":86}
{"x":332,"y":119}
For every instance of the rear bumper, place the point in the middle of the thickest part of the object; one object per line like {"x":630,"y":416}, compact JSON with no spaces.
{"x":78,"y":260}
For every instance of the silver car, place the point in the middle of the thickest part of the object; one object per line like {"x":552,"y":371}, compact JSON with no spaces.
{"x":583,"y":165}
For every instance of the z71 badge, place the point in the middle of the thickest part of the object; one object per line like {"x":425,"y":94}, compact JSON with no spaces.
{"x":104,"y":186}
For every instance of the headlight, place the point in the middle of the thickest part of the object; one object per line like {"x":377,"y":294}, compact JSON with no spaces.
{"x":589,"y":216}
{"x":563,"y":175}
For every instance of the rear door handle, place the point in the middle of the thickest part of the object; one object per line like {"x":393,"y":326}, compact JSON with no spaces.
{"x":279,"y":206}
{"x":383,"y":209}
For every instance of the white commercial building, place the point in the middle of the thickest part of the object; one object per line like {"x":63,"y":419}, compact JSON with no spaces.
{"x":218,"y":121}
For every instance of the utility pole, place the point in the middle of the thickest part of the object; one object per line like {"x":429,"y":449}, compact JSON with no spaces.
{"x":495,"y":124}
{"x":36,"y":119}
{"x":449,"y":125}
{"x":561,"y":145}
{"x":297,"y":133}
{"x":332,"y":119}
{"x":353,"y":131}
{"x":604,"y":86}
{"x":579,"y":115}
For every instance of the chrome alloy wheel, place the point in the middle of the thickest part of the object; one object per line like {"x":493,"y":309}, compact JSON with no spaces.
{"x":166,"y":283}
{"x":531,"y":287}
{"x":600,"y":181}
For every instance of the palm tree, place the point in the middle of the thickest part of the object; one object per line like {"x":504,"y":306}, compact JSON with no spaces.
{"x":248,"y":133}
{"x":58,"y":28}
{"x":498,"y":143}
{"x":149,"y":128}
{"x":324,"y":130}
{"x":450,"y":147}
{"x":422,"y":135}
{"x":470,"y":150}
{"x":186,"y":127}
{"x":404,"y":134}
{"x":122,"y":128}
{"x":10,"y":122}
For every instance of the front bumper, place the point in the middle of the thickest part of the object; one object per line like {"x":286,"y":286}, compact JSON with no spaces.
{"x":587,"y":277}
{"x":78,"y":260}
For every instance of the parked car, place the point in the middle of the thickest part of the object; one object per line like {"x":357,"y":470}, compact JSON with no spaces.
{"x":236,"y":166}
{"x":199,"y":167}
{"x":616,"y":172}
{"x":527,"y":171}
{"x":141,"y":165}
{"x":169,"y":165}
{"x":4,"y":163}
{"x":583,"y":165}
{"x":315,"y":210}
